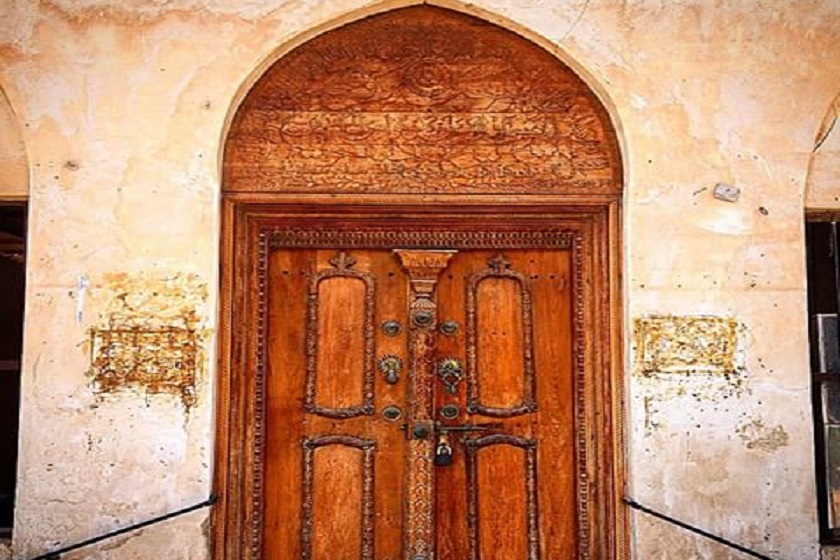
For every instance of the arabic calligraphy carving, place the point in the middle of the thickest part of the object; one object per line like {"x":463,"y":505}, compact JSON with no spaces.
{"x":421,"y":100}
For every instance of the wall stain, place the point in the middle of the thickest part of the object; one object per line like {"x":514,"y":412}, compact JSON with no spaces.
{"x":150,"y":337}
{"x":756,"y":435}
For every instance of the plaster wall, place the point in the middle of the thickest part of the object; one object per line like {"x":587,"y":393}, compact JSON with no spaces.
{"x":122,"y":107}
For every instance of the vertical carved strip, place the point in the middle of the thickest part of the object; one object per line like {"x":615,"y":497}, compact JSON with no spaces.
{"x":473,"y":536}
{"x":257,"y":496}
{"x":368,"y":448}
{"x":533,"y":503}
{"x":499,"y":267}
{"x":368,"y":502}
{"x":419,"y":523}
{"x":342,"y":268}
{"x":582,"y":428}
{"x":307,"y":502}
{"x":423,"y":268}
{"x":473,"y":507}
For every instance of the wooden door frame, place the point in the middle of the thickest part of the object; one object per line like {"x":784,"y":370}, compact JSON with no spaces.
{"x":594,"y":222}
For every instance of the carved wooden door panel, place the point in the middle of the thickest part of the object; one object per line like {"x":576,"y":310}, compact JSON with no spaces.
{"x":382,"y":363}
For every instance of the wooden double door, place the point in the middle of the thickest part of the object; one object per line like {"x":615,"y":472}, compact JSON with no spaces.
{"x":419,"y":403}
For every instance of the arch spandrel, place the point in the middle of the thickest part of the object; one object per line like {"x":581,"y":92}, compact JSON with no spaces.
{"x":421,"y":100}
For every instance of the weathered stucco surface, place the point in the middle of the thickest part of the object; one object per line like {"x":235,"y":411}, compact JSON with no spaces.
{"x":122,"y":108}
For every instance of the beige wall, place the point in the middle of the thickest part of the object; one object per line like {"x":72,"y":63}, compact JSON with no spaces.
{"x":125,"y":104}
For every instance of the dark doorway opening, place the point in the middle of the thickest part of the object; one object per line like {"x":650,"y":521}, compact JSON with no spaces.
{"x":12,"y":286}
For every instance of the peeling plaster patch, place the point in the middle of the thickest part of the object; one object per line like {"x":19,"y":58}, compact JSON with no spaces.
{"x":687,"y":344}
{"x":150,"y":338}
{"x":758,"y":436}
{"x":160,"y":361}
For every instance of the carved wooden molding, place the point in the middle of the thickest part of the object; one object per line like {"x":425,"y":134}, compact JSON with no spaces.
{"x":473,"y":445}
{"x":499,"y":267}
{"x":427,"y":238}
{"x":239,"y":514}
{"x":367,"y":447}
{"x":421,"y":100}
{"x":342,"y":268}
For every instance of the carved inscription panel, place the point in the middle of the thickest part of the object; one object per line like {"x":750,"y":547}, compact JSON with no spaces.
{"x":421,"y":100}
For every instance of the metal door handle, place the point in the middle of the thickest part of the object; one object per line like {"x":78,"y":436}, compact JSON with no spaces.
{"x":442,"y":429}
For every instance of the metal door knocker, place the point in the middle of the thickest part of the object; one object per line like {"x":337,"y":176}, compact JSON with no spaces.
{"x":391,"y":366}
{"x":450,"y":372}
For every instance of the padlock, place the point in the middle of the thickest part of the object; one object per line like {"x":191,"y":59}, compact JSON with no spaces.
{"x":443,"y":452}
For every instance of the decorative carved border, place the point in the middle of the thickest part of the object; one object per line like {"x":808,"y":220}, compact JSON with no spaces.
{"x":258,"y":482}
{"x":549,"y":238}
{"x":499,"y":267}
{"x":532,"y":507}
{"x":309,"y":446}
{"x":580,"y":389}
{"x":342,"y":268}
{"x":420,"y":238}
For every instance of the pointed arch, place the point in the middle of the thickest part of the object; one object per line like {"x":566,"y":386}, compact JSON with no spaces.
{"x":421,"y":100}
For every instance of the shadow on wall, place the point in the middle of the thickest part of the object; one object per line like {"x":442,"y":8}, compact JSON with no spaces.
{"x":14,"y":177}
{"x":822,"y":188}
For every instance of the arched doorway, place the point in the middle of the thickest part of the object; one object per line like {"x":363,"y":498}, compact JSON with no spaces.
{"x":420,"y":353}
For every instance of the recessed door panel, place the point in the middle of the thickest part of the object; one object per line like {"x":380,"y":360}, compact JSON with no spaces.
{"x":340,"y":345}
{"x":338,"y":503}
{"x":499,"y":345}
{"x":502,"y":498}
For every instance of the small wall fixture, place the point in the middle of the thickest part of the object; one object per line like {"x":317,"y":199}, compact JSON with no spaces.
{"x":727,"y":192}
